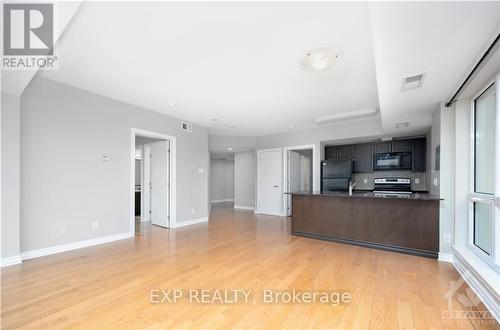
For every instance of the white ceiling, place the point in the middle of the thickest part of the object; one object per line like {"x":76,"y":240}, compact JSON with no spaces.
{"x":440,"y":39}
{"x":240,"y":62}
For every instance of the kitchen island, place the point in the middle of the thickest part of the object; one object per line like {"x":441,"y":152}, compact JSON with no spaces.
{"x":408,"y":224}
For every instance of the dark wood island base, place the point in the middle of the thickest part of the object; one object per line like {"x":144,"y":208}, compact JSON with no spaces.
{"x":405,"y":225}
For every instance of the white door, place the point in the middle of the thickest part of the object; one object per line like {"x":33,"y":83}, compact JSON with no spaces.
{"x":159,"y":183}
{"x":306,"y":173}
{"x":146,"y":186}
{"x":269,"y":182}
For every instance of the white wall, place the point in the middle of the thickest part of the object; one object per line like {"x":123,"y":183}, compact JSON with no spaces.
{"x":244,"y":179}
{"x":221,"y":180}
{"x":447,"y":178}
{"x":10,"y":130}
{"x":64,"y":182}
{"x":462,"y":169}
{"x":435,"y":141}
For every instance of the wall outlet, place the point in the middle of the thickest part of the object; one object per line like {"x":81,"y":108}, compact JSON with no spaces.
{"x":447,"y":238}
{"x":417,"y":180}
{"x":365,"y":180}
{"x":63,"y":230}
{"x":95,"y":224}
{"x":193,"y":211}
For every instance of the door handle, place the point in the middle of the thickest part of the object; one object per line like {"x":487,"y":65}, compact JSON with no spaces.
{"x":275,"y":186}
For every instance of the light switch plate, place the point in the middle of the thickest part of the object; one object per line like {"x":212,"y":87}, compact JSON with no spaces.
{"x":201,"y":170}
{"x":435,"y":181}
{"x":417,"y":180}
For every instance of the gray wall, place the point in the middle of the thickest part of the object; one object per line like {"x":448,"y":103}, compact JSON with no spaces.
{"x":64,"y":182}
{"x":244,"y":179}
{"x":221,"y":179}
{"x":10,"y":175}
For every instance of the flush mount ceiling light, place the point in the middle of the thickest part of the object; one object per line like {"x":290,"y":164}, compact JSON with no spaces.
{"x":412,"y":82}
{"x":345,"y":115}
{"x":230,"y":149}
{"x":231,"y":125}
{"x":172,"y":104}
{"x":320,"y":58}
{"x":214,"y":119}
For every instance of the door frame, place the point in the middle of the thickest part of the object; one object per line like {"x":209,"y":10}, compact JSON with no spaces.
{"x":171,"y":179}
{"x":257,"y":209}
{"x":285,"y":170}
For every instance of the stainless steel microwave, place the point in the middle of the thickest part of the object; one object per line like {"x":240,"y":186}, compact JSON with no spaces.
{"x":392,"y":161}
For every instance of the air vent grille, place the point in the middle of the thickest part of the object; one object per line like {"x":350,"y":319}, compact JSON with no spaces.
{"x":412,"y":82}
{"x":186,"y":127}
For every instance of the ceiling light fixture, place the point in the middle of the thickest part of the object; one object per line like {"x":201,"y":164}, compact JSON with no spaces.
{"x":230,"y":149}
{"x":231,"y":125}
{"x":172,"y":104}
{"x":290,"y":126}
{"x":320,"y":58}
{"x":345,"y":115}
{"x":214,"y":119}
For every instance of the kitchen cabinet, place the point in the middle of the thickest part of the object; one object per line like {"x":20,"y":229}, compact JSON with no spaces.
{"x":362,"y":153}
{"x":363,"y":157}
{"x":419,"y":155}
{"x":342,"y":152}
{"x":385,"y":146}
{"x":401,"y":145}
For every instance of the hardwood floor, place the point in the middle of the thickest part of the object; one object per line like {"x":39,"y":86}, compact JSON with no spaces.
{"x":109,"y":286}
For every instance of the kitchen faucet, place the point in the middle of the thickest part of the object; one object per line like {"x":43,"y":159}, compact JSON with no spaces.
{"x":351,"y":186}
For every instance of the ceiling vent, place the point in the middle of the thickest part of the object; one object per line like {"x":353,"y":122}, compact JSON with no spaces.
{"x":403,"y":124}
{"x":186,"y":127}
{"x":412,"y":82}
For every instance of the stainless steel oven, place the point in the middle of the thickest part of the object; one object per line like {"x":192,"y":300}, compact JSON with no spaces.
{"x":392,"y":161}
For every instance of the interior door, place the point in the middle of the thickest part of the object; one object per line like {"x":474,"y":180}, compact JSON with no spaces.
{"x":293,"y":179}
{"x":146,"y":185}
{"x":159,"y":190}
{"x":306,"y":173}
{"x":269,"y":182}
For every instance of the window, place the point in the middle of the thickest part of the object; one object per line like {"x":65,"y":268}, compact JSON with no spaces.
{"x":483,"y":215}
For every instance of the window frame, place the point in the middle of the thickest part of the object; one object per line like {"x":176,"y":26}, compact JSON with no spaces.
{"x":492,"y":200}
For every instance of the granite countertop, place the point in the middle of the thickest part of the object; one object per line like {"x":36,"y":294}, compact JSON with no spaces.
{"x":367,"y":194}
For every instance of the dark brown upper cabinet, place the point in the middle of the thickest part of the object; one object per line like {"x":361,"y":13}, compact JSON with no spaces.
{"x":419,"y":154}
{"x":401,"y":145}
{"x":385,"y":146}
{"x":363,"y":157}
{"x":362,"y":153}
{"x":342,"y":152}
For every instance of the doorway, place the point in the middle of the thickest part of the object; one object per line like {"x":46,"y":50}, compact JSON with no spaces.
{"x":298,"y":172}
{"x":269,"y":187}
{"x":153,"y":181}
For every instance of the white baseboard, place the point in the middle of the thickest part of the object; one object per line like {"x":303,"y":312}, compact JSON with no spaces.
{"x":73,"y":246}
{"x":190,"y":222}
{"x":480,"y":286}
{"x":222,"y":200}
{"x":445,"y":257}
{"x":243,"y":207}
{"x":9,"y":261}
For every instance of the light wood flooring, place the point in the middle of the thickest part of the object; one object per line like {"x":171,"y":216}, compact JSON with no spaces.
{"x":109,"y":286}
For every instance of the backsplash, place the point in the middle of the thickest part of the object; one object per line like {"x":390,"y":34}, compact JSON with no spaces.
{"x":359,"y":178}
